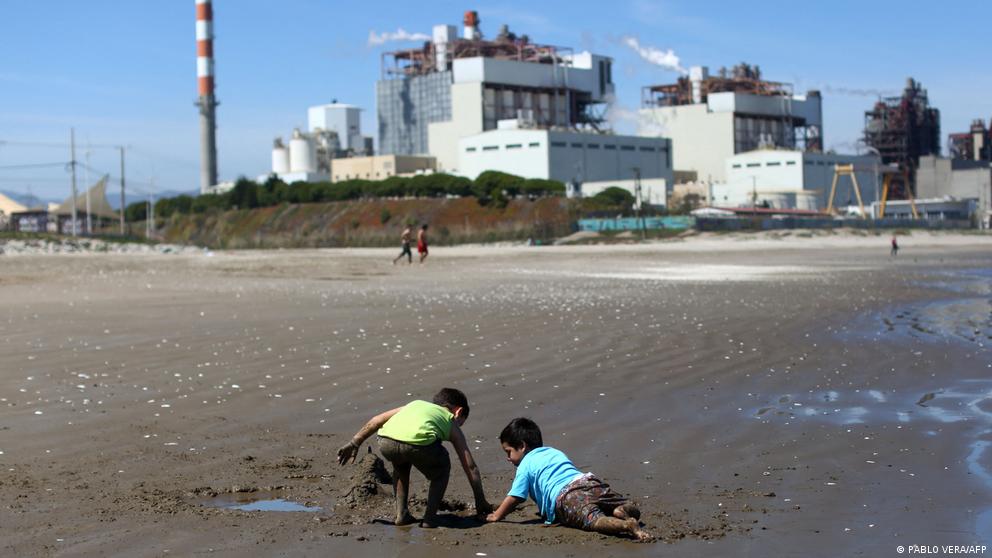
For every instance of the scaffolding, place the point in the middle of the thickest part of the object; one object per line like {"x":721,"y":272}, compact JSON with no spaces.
{"x":903,"y":129}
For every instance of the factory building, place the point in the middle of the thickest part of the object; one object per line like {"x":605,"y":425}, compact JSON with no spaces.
{"x":973,"y":145}
{"x":958,"y":179}
{"x":453,"y":87}
{"x":902,"y":129}
{"x":790,"y":179}
{"x":712,"y":118}
{"x":568,"y":156}
{"x":334,"y":131}
{"x":380,"y":167}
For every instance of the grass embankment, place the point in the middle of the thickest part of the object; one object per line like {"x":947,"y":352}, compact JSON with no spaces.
{"x":374,"y":222}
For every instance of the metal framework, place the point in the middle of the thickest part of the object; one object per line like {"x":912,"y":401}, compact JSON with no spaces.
{"x":742,"y":78}
{"x":903,"y":129}
{"x":845,"y":170}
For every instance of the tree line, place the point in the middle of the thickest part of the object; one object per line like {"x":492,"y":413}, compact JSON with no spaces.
{"x":490,"y":187}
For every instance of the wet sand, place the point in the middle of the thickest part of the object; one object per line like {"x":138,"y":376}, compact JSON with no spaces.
{"x":757,"y":396}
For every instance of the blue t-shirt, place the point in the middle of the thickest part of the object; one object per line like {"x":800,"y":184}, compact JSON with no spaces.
{"x":542,"y":473}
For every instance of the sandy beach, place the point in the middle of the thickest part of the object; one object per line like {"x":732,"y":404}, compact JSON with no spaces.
{"x":757,"y":395}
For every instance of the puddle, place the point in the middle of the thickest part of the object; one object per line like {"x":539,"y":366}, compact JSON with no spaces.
{"x":256,"y":501}
{"x":965,"y":319}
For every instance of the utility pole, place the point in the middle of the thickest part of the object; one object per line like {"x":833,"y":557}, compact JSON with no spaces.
{"x":122,"y":189}
{"x":638,"y":201}
{"x":86,"y":184}
{"x":148,"y":214}
{"x":72,"y":163}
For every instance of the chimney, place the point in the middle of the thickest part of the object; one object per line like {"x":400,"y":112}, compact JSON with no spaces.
{"x":472,"y":26}
{"x":206,"y":101}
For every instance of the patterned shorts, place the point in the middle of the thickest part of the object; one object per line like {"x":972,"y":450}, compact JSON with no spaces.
{"x":585,"y":500}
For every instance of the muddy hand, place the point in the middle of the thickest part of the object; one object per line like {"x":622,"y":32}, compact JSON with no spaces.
{"x":347,"y":452}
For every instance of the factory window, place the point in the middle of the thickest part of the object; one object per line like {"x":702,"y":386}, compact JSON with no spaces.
{"x":559,"y":144}
{"x":593,"y":146}
{"x":534,"y":144}
{"x":809,"y":163}
{"x":470,"y":150}
{"x":790,"y":163}
{"x":752,"y":165}
{"x":514,"y":145}
{"x":577,"y":145}
{"x":737,"y":165}
{"x":647,"y":149}
{"x":490,"y":147}
{"x":609,"y":146}
{"x":821,"y":163}
{"x":627,"y":148}
{"x":773,"y":164}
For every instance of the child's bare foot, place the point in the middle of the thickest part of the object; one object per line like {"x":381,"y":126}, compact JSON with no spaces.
{"x":634,"y":528}
{"x":405,"y":519}
{"x":429,"y":523}
{"x":626,"y":511}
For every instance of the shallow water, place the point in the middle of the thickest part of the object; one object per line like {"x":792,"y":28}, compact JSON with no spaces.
{"x":256,"y":501}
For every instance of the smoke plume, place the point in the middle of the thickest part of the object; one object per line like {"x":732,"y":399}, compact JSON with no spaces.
{"x":400,"y":35}
{"x":667,"y":59}
{"x":631,"y":121}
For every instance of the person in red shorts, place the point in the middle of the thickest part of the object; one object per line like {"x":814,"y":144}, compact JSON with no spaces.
{"x":422,"y":242}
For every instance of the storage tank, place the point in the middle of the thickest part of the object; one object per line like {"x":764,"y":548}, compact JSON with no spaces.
{"x":280,"y":157}
{"x":301,"y":153}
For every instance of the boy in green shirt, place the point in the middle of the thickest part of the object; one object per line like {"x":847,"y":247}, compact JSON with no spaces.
{"x":411,"y":436}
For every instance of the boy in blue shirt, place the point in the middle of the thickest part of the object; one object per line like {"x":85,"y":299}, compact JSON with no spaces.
{"x":563,"y":494}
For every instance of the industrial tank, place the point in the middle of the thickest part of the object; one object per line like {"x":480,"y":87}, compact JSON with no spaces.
{"x":280,"y":157}
{"x":301,"y":153}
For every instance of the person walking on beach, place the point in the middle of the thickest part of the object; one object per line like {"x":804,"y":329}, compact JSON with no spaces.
{"x":422,"y":243}
{"x":405,"y":239}
{"x":895,"y":247}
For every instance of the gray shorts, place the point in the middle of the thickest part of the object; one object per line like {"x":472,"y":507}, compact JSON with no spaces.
{"x":431,"y":460}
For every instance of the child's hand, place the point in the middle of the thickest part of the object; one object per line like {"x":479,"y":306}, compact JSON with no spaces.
{"x":347,"y":452}
{"x":492,"y":518}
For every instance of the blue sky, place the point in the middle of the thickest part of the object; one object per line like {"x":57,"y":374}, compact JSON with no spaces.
{"x":124,"y":72}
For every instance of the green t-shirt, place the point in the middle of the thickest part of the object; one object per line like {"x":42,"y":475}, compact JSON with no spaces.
{"x":419,"y":423}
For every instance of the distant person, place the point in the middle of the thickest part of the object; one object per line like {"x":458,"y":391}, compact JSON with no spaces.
{"x":895,"y":247}
{"x":563,"y":494}
{"x":422,"y":243}
{"x":411,"y":436}
{"x":405,"y":239}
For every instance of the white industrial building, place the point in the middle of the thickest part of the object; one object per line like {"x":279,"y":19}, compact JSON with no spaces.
{"x":790,"y":179}
{"x":334,"y":131}
{"x":711,"y":118}
{"x":453,"y":87}
{"x":567,"y":156}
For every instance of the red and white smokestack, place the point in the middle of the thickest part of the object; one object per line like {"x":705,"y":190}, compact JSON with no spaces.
{"x":205,"y":89}
{"x":471,"y":22}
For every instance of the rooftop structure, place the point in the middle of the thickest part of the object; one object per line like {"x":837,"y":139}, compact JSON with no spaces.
{"x":451,"y":87}
{"x":973,"y":145}
{"x":710,"y":118}
{"x":903,"y":129}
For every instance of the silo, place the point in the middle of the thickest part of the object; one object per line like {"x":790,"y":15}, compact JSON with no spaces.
{"x":280,"y":157}
{"x":301,"y":153}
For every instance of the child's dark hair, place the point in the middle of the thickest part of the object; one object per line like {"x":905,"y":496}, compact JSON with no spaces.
{"x":522,"y":431}
{"x":451,"y":398}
